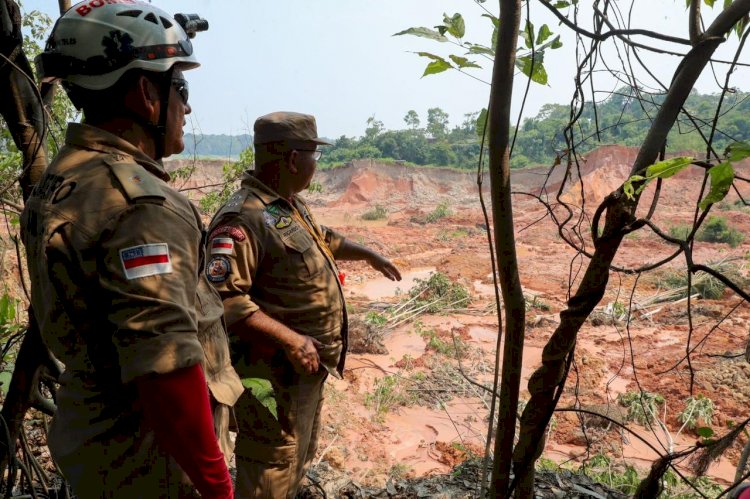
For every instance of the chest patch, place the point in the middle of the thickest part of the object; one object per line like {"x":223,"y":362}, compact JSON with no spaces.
{"x":146,"y":260}
{"x":283,"y":222}
{"x":222,"y":246}
{"x":230,"y":230}
{"x":269,"y":219}
{"x":218,"y":269}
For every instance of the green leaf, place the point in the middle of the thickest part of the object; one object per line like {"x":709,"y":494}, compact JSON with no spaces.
{"x":262,"y":389}
{"x":628,"y":189}
{"x":662,"y":169}
{"x":480,"y":49}
{"x":4,"y":307}
{"x":739,"y":28}
{"x":722,"y":176}
{"x":495,"y":20}
{"x":424,"y":33}
{"x":482,"y":122}
{"x":536,"y":72}
{"x":436,"y":67}
{"x":555,"y":43}
{"x":668,"y":167}
{"x":544,"y":33}
{"x":710,"y":3}
{"x":737,"y":151}
{"x":430,"y":56}
{"x":496,"y":25}
{"x":561,"y":4}
{"x":455,"y":25}
{"x":5,"y":377}
{"x":463,"y":62}
{"x":528,"y":34}
{"x":704,"y":432}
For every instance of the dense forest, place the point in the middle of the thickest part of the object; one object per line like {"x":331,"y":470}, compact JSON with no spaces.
{"x":219,"y":146}
{"x":623,"y":118}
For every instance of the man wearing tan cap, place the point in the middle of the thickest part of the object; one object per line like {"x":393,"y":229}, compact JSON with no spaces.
{"x":275,"y":269}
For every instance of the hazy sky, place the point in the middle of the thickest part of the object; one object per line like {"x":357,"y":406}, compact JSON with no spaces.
{"x":338,"y":60}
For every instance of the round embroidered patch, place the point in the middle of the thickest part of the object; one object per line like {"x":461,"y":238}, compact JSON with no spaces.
{"x":218,"y":269}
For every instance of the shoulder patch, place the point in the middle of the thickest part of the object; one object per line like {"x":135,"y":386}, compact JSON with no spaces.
{"x":218,"y":269}
{"x":146,"y":260}
{"x":231,"y":230}
{"x":135,"y":180}
{"x":222,"y":246}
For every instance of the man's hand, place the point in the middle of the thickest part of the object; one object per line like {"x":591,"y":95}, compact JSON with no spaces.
{"x":384,"y":266}
{"x":302,"y":352}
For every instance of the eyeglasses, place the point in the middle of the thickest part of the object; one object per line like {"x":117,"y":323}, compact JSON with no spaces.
{"x":181,"y":85}
{"x":316,"y":153}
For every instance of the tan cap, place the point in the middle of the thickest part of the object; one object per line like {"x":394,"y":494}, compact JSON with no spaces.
{"x":286,"y":127}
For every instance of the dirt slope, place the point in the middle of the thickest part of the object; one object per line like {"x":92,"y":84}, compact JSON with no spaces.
{"x":613,"y":356}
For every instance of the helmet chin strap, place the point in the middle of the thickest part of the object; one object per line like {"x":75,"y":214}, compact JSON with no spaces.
{"x":157,"y":131}
{"x":160,"y":129}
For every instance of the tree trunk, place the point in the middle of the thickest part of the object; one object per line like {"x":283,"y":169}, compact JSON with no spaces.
{"x":505,"y":246}
{"x":21,"y":107}
{"x":549,"y":379}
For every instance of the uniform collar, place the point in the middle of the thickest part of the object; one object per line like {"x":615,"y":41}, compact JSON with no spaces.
{"x":262,"y":191}
{"x":94,"y":138}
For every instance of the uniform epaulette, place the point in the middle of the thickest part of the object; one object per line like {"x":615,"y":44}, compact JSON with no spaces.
{"x":233,"y":204}
{"x":135,"y":180}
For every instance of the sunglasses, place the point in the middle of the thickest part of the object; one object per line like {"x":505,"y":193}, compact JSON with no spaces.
{"x":181,"y":85}
{"x":316,"y":153}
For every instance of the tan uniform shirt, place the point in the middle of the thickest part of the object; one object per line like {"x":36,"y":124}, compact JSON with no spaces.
{"x":267,"y":253}
{"x":115,"y":257}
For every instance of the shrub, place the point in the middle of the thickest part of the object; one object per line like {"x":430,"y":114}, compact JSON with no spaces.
{"x":642,"y":406}
{"x":378,"y":213}
{"x":706,"y":285}
{"x":448,"y":235}
{"x":438,"y":293}
{"x":387,"y":394}
{"x":717,"y":230}
{"x":441,"y":211}
{"x":697,"y":408}
{"x":375,"y":318}
{"x":680,"y":231}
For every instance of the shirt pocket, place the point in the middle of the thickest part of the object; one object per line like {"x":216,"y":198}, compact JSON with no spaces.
{"x":305,"y":260}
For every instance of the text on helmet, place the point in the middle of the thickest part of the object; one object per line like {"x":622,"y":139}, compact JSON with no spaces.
{"x":84,"y":9}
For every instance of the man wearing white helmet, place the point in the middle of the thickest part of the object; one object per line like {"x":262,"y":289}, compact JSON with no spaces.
{"x":116,"y":256}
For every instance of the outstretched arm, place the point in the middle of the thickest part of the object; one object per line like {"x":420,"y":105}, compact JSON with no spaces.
{"x":349,"y":250}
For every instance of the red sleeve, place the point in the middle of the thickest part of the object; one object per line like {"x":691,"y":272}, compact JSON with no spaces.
{"x":177,"y":407}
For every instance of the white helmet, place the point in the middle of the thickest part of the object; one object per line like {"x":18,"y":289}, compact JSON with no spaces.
{"x":96,"y":41}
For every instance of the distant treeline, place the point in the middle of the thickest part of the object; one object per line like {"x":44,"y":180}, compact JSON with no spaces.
{"x":219,"y":146}
{"x":623,"y":118}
